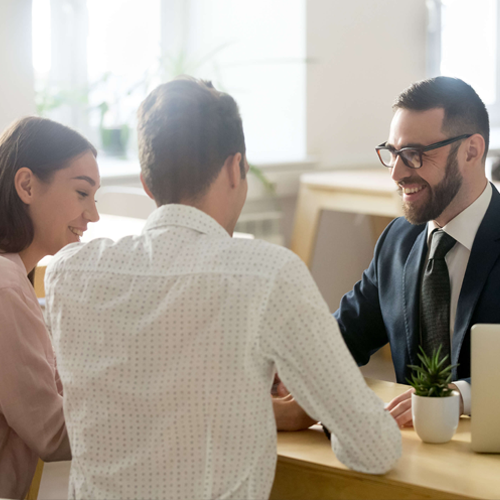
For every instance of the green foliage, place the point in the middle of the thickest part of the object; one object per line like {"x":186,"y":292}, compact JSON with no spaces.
{"x":170,"y":65}
{"x":114,"y":140}
{"x":259,"y":174}
{"x":432,"y":379}
{"x":49,"y":98}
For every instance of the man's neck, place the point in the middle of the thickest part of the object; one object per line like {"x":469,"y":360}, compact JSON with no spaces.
{"x":214,"y":210}
{"x":458,"y":205}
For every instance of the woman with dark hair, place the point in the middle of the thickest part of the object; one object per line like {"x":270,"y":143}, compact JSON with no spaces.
{"x":48,"y":179}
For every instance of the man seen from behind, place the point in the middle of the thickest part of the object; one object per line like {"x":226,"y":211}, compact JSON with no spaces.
{"x":168,"y":342}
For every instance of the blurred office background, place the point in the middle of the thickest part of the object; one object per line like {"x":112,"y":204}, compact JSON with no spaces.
{"x":315,"y":80}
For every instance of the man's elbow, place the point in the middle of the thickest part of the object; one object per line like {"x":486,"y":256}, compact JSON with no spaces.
{"x":379,"y":457}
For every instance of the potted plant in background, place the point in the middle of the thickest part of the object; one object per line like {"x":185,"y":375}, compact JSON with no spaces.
{"x":114,"y":139}
{"x":117,"y":101}
{"x":435,"y":407}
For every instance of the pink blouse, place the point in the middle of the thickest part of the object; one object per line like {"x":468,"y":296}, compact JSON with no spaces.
{"x":31,"y":404}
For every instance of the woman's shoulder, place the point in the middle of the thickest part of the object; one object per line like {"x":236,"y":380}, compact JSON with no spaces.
{"x":12,"y":271}
{"x":15,"y":288}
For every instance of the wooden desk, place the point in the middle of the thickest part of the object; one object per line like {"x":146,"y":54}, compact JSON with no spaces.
{"x":370,"y":192}
{"x":308,"y":469}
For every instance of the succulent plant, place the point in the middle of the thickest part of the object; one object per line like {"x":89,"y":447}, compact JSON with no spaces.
{"x":433,"y":377}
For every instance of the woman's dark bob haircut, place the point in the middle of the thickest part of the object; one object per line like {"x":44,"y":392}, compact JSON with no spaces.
{"x":44,"y":147}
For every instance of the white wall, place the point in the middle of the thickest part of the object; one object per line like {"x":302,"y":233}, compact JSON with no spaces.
{"x":363,"y":52}
{"x":16,"y":80}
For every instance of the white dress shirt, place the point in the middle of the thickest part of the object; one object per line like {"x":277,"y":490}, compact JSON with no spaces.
{"x":167,"y":344}
{"x":463,"y":228}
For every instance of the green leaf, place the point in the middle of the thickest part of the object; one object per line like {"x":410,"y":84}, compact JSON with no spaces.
{"x":432,"y":378}
{"x":259,"y":174}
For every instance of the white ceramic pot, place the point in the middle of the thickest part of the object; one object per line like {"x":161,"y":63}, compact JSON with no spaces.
{"x":435,"y":419}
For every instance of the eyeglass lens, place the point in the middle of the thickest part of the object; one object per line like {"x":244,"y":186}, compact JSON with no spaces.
{"x":410,"y":157}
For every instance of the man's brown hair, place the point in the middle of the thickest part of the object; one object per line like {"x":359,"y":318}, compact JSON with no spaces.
{"x":187,"y":129}
{"x":464,"y":111}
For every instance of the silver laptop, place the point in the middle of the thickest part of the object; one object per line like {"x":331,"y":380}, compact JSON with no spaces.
{"x":485,"y":390}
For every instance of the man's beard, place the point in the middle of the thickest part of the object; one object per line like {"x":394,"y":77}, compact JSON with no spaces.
{"x":440,"y":196}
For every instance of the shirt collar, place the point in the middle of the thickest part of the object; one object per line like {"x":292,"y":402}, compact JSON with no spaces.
{"x":465,"y":225}
{"x":185,"y":216}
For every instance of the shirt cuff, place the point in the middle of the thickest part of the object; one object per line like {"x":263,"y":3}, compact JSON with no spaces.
{"x":464,"y":388}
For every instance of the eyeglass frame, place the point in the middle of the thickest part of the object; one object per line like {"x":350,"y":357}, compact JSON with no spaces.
{"x":419,"y":149}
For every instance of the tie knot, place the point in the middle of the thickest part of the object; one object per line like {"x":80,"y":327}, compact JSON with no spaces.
{"x":441,"y":244}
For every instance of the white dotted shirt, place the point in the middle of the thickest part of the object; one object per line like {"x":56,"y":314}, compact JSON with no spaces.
{"x":167,"y":344}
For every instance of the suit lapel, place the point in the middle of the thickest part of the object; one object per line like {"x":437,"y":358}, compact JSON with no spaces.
{"x":485,"y":251}
{"x":411,"y":294}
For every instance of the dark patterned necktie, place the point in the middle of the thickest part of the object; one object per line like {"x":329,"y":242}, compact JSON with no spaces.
{"x":435,"y":294}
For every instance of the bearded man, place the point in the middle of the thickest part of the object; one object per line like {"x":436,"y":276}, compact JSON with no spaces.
{"x":436,"y":271}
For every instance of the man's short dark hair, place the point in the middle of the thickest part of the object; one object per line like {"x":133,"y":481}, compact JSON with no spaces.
{"x":187,"y":129}
{"x":464,"y":112}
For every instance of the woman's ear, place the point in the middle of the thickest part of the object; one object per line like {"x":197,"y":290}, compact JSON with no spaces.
{"x":23,"y":182}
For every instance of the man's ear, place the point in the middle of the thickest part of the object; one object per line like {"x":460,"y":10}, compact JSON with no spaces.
{"x":475,"y":148}
{"x":23,"y":182}
{"x":145,"y":187}
{"x":232,"y":166}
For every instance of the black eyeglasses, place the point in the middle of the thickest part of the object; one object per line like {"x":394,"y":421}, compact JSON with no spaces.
{"x":412,"y":155}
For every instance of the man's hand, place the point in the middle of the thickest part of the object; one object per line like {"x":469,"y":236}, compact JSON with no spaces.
{"x":290,"y":416}
{"x":400,"y":407}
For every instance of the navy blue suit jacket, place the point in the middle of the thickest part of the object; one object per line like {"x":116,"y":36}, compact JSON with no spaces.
{"x":384,"y":306}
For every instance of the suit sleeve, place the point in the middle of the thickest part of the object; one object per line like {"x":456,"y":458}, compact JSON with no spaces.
{"x":30,"y":399}
{"x":359,"y":316}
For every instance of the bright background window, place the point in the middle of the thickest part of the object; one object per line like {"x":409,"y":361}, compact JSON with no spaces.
{"x":95,"y":61}
{"x":472,"y":58}
{"x":466,"y":47}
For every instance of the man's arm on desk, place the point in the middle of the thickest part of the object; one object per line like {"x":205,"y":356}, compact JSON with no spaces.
{"x":303,"y":340}
{"x":359,"y":312}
